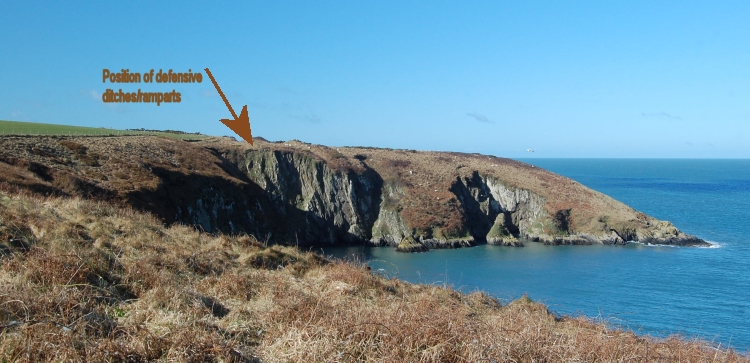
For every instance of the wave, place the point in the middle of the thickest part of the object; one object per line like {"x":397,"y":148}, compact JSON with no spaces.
{"x":712,"y":244}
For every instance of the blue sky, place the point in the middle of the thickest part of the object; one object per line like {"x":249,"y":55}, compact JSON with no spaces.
{"x":567,"y":79}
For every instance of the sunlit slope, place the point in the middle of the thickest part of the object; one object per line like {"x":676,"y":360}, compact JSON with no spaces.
{"x":8,"y":128}
{"x":317,"y":195}
{"x":83,"y":280}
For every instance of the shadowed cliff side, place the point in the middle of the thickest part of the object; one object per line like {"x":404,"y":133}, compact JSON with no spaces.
{"x":443,"y":200}
{"x":299,"y":193}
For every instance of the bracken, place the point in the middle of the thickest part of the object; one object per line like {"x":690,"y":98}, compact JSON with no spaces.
{"x":97,"y":282}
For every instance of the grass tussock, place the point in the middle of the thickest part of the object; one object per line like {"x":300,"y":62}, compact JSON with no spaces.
{"x":87,"y":281}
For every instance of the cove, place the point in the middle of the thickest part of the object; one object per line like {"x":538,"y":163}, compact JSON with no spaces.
{"x":656,"y":290}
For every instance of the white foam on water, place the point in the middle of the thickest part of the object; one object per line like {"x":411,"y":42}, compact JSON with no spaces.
{"x":712,"y":245}
{"x":652,"y":245}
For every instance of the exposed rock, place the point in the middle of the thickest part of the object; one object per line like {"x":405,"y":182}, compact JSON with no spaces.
{"x":409,"y":244}
{"x":320,"y":204}
{"x":435,"y":243}
{"x":667,"y":234}
{"x":500,"y":235}
{"x":306,"y":194}
{"x":509,"y":241}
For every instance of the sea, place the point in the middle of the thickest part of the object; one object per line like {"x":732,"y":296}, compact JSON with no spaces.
{"x":651,"y":290}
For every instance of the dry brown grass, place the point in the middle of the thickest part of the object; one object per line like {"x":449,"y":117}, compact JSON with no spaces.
{"x":115,"y":168}
{"x":427,"y":177}
{"x":115,"y":165}
{"x":86,"y":281}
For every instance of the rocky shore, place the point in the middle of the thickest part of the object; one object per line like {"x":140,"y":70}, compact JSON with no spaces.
{"x":305,"y":194}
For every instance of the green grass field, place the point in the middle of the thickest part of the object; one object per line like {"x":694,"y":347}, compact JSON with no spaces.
{"x":33,"y":128}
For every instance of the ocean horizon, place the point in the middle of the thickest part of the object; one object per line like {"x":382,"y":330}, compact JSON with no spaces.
{"x":655,"y":290}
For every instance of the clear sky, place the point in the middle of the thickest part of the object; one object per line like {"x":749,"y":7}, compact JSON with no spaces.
{"x":565,"y":78}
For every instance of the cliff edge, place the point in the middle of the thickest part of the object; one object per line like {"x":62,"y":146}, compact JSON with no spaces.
{"x":305,"y":194}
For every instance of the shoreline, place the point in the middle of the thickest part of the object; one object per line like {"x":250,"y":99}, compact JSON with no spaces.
{"x":587,"y":282}
{"x":231,"y":296}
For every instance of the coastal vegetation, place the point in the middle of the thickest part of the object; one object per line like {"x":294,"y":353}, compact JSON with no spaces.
{"x":306,"y":194}
{"x":8,"y":128}
{"x":86,"y":280}
{"x":151,"y":248}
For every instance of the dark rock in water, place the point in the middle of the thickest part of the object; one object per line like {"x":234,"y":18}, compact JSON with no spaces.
{"x":505,"y":241}
{"x":566,"y":240}
{"x":434,"y":243}
{"x":409,"y":244}
{"x":664,"y":233}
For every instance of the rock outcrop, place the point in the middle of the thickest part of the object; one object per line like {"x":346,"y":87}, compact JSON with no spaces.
{"x":409,"y":244}
{"x":305,"y":194}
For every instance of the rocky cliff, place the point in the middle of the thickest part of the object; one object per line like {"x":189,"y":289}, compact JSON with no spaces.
{"x":304,"y":194}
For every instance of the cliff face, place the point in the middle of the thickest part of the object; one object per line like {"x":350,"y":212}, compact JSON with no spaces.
{"x":351,"y":197}
{"x":314,"y":195}
{"x":318,"y":204}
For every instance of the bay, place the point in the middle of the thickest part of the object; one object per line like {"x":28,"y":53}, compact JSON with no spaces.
{"x":655,"y":290}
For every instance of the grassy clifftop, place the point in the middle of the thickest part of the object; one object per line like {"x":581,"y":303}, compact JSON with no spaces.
{"x":312,"y":194}
{"x":83,"y":280}
{"x":448,"y":191}
{"x":9,"y":128}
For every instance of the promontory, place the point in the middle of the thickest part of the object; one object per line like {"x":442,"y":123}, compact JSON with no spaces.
{"x":304,"y":194}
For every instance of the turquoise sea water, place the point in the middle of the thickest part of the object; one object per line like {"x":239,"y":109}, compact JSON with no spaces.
{"x":654,"y":290}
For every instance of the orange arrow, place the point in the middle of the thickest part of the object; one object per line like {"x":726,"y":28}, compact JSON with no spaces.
{"x":240,"y":125}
